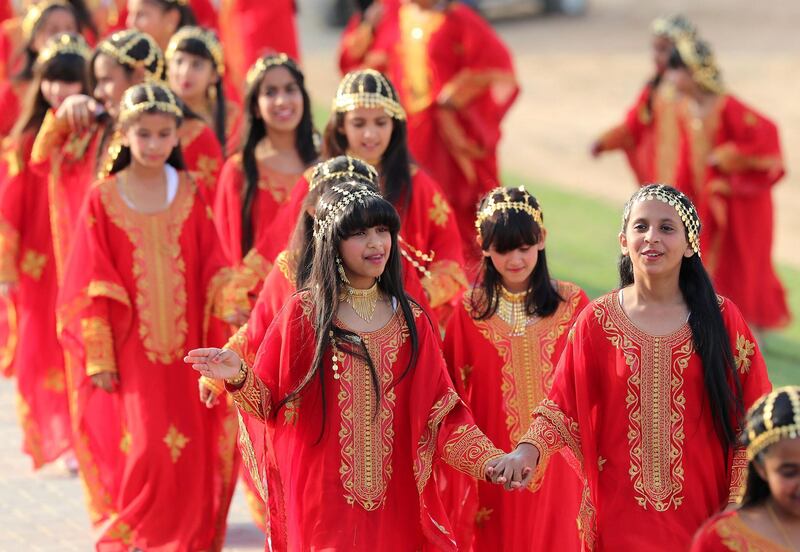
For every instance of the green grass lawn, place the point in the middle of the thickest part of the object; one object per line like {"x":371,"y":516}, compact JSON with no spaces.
{"x":582,"y":248}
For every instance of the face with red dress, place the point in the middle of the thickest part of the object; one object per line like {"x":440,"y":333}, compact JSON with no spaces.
{"x":365,"y":253}
{"x":56,"y":20}
{"x":152,"y":18}
{"x":368,"y":131}
{"x":516,"y":266}
{"x":151,"y":138}
{"x":55,"y":91}
{"x":655,"y":239}
{"x":111,"y":82}
{"x":191,"y":75}
{"x":779,"y":466}
{"x":280,"y":101}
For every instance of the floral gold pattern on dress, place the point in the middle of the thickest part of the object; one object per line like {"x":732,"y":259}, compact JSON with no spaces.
{"x":253,"y":397}
{"x":33,"y":438}
{"x":55,"y":379}
{"x":439,"y":211}
{"x":33,"y":263}
{"x":423,"y":462}
{"x":483,"y":515}
{"x":99,"y":345}
{"x":207,"y":170}
{"x":738,"y":537}
{"x":249,"y":457}
{"x":745,"y":349}
{"x":125,"y":441}
{"x":175,"y":441}
{"x":286,"y":262}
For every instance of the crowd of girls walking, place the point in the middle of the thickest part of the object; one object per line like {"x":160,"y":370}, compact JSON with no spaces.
{"x":360,"y":323}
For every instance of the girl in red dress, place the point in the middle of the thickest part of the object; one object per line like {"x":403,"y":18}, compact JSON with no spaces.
{"x":27,"y":267}
{"x":768,"y":516}
{"x":370,"y":36}
{"x":502,"y":345}
{"x":650,"y":391}
{"x":649,"y":133}
{"x":145,"y":282}
{"x":351,"y":385}
{"x":159,"y":18}
{"x":730,"y":158}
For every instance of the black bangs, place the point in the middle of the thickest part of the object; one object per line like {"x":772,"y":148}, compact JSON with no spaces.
{"x":196,"y":48}
{"x":507,"y":230}
{"x":372,"y":211}
{"x":675,"y":60}
{"x":65,"y":68}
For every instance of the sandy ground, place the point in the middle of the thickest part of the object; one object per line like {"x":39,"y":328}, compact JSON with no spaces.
{"x":579,"y":76}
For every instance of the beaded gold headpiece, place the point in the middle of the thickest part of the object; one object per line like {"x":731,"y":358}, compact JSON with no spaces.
{"x":263,"y":63}
{"x":673,"y":26}
{"x":499,"y":199}
{"x":35,"y":13}
{"x":699,"y":58}
{"x":130,"y":108}
{"x":206,"y":36}
{"x":343,"y":167}
{"x":352,"y":94}
{"x":64,"y":43}
{"x":119,"y":45}
{"x":774,"y":417}
{"x":333,"y":210}
{"x":675,"y":199}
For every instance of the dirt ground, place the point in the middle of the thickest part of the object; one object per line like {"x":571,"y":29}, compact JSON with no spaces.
{"x":579,"y":75}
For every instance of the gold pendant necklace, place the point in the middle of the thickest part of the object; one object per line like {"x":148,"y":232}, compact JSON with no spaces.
{"x":511,"y":310}
{"x":363,"y":301}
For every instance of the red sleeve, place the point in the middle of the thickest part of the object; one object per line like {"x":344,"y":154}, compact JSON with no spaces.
{"x":269,"y":246}
{"x":203,"y":159}
{"x":227,"y":209}
{"x":457,"y":349}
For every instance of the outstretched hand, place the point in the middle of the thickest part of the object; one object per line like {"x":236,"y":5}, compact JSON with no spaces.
{"x":214,"y":363}
{"x":515,"y":470}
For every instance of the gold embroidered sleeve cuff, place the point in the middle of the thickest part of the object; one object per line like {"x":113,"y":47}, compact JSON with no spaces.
{"x":252,"y":397}
{"x":239,"y":344}
{"x":551,"y":430}
{"x":469,"y":451}
{"x":51,"y":136}
{"x":738,"y":475}
{"x":445,"y":281}
{"x":99,"y":346}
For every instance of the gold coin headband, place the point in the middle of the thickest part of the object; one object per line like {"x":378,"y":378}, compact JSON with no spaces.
{"x":130,"y":38}
{"x":347,"y":99}
{"x":130,"y":108}
{"x":774,"y":417}
{"x":64,"y":43}
{"x":672,"y":197}
{"x":355,"y":169}
{"x":333,"y":210}
{"x":262,"y":64}
{"x":506,"y":204}
{"x":35,"y":13}
{"x":697,"y":56}
{"x":207,"y":37}
{"x":673,"y":27}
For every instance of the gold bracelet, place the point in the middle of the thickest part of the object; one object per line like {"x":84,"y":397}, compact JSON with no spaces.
{"x":240,"y":377}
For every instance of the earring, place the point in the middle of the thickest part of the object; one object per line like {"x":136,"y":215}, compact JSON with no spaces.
{"x":340,"y":269}
{"x":212,"y":93}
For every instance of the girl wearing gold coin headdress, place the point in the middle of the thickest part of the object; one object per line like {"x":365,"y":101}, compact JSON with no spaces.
{"x":27,"y":267}
{"x":502,"y":345}
{"x":768,"y":516}
{"x":650,"y":392}
{"x":146,"y":281}
{"x":730,"y":160}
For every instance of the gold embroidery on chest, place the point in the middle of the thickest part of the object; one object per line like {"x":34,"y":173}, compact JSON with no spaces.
{"x":365,"y":437}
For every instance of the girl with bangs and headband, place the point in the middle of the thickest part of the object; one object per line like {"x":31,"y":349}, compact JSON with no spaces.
{"x":27,"y":267}
{"x":147,"y":281}
{"x":502,"y":346}
{"x":649,"y":134}
{"x":368,"y":122}
{"x":350,"y":386}
{"x":649,"y":394}
{"x":255,"y":185}
{"x":768,"y":516}
{"x":730,"y":160}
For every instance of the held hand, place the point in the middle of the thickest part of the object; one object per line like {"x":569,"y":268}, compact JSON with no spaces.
{"x":80,"y":111}
{"x":214,"y":363}
{"x":107,"y":381}
{"x":515,"y":470}
{"x":207,"y":396}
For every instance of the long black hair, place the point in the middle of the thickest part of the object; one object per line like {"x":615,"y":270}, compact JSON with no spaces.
{"x":337,"y":220}
{"x":34,"y":19}
{"x":506,"y":228}
{"x":256,"y":130}
{"x":709,"y":334}
{"x":395,"y":180}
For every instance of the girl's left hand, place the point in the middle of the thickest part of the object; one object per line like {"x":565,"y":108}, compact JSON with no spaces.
{"x":214,"y":363}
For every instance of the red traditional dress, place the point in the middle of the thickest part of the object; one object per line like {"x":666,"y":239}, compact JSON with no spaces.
{"x":10,"y":44}
{"x":631,"y":409}
{"x":26,"y":259}
{"x":734,"y":200}
{"x":11,"y":95}
{"x":456,"y":81}
{"x":362,"y":47}
{"x":251,"y":28}
{"x":649,"y":135}
{"x":202,"y":155}
{"x":140,"y":290}
{"x":727,"y":532}
{"x":363,"y":481}
{"x":502,"y":375}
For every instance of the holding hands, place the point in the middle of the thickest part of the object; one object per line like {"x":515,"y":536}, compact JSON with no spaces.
{"x":514,"y":470}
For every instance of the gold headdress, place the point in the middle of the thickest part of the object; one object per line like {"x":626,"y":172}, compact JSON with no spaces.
{"x":119,"y":45}
{"x":675,"y":199}
{"x":673,"y":27}
{"x":263,"y":63}
{"x":332,"y":210}
{"x":35,"y":13}
{"x":179,"y":2}
{"x":699,"y":58}
{"x":356,"y":91}
{"x":129,"y":107}
{"x":206,"y":36}
{"x":774,"y":417}
{"x":64,"y":43}
{"x":343,"y":167}
{"x":505,"y":203}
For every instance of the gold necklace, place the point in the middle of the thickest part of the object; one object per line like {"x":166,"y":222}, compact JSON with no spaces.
{"x":779,"y":526}
{"x":511,"y":309}
{"x":363,"y":301}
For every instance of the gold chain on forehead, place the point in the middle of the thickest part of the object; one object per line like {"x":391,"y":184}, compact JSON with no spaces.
{"x":324,"y":173}
{"x":207,"y":37}
{"x":35,"y":13}
{"x":351,"y":94}
{"x":505,"y":203}
{"x":763,"y":431}
{"x":262,"y":64}
{"x":335,"y":209}
{"x":671,"y":197}
{"x":129,"y":39}
{"x":129,"y":108}
{"x":64,"y":43}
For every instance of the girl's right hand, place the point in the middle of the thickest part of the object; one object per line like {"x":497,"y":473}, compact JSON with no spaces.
{"x":214,"y":363}
{"x":80,"y":111}
{"x":107,"y":381}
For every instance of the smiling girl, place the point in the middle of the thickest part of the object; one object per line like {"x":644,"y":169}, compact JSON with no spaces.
{"x":145,"y":282}
{"x":649,"y":394}
{"x":502,"y":346}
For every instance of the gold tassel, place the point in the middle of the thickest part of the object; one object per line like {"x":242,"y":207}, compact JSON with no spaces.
{"x":363,"y":301}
